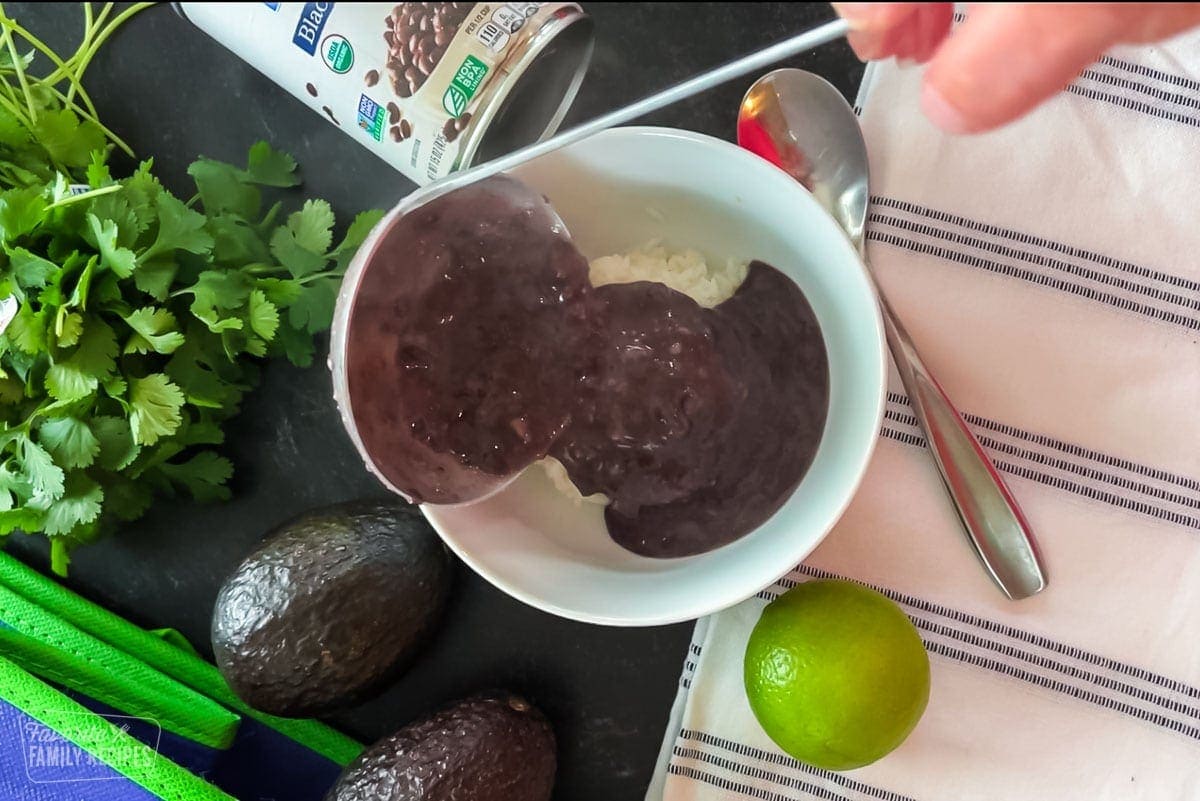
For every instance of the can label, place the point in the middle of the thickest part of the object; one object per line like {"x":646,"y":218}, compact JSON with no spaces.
{"x":308,"y":29}
{"x":404,"y":80}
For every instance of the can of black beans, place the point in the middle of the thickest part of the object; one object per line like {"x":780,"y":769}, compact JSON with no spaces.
{"x":429,"y":87}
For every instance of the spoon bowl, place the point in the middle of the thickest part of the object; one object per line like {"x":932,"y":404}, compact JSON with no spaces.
{"x":802,"y":124}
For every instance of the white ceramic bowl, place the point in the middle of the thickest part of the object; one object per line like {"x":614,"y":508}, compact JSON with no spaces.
{"x":615,"y":191}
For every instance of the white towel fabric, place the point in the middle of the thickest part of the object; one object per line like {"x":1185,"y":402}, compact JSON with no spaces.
{"x":1050,"y":274}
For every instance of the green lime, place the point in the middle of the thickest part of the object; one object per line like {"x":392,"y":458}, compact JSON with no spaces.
{"x":836,"y":674}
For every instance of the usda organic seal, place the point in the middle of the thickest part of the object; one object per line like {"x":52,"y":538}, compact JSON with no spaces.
{"x":337,"y":53}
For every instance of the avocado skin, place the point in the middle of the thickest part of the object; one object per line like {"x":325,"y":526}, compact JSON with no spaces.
{"x":490,"y":747}
{"x":331,"y":607}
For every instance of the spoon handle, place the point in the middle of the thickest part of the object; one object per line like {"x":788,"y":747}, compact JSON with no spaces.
{"x":793,"y":45}
{"x":994,"y":523}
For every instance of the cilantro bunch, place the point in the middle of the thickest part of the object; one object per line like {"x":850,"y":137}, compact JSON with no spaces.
{"x":133,"y":322}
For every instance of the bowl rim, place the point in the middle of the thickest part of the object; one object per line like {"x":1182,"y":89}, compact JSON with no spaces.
{"x":701,"y":607}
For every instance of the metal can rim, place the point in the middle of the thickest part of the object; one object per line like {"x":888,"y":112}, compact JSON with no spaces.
{"x":477,"y":131}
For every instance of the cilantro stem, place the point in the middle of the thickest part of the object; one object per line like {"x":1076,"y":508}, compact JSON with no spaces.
{"x":21,"y":79}
{"x":108,"y":31}
{"x":88,"y":30}
{"x":69,"y":75}
{"x":315,"y":276}
{"x":88,"y":195}
{"x":12,"y":106}
{"x":116,"y":140}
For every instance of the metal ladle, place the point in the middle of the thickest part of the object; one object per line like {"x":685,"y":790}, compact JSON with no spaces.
{"x":800,"y":122}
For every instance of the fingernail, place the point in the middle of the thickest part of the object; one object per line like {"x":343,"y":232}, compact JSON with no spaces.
{"x":859,"y":15}
{"x":941,"y":113}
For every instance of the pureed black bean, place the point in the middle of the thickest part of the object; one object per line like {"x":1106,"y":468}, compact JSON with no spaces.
{"x":477,"y":345}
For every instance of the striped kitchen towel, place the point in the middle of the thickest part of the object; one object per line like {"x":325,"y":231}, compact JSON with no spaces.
{"x":1050,"y":273}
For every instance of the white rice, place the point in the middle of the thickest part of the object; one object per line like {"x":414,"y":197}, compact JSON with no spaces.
{"x":685,"y":271}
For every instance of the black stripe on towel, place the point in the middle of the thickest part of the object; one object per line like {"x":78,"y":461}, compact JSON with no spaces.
{"x":1117,"y":281}
{"x":1072,"y":449}
{"x":726,"y":785}
{"x":1031,"y":276}
{"x":1150,"y":72}
{"x":1030,"y":240}
{"x":1005,"y":630}
{"x":783,"y":760}
{"x":1057,"y":463}
{"x":1130,"y":104}
{"x":733,"y":766}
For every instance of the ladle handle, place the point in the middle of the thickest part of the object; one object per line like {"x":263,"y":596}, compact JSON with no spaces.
{"x":993,"y":521}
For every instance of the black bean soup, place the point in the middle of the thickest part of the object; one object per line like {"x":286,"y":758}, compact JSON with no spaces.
{"x":477,"y":345}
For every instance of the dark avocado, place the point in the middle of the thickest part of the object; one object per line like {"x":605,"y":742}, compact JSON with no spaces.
{"x":490,"y":747}
{"x":331,"y":607}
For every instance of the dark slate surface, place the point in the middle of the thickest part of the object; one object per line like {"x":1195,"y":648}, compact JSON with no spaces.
{"x":174,"y":94}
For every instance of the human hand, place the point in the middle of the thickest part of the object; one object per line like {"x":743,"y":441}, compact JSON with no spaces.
{"x":1005,"y":59}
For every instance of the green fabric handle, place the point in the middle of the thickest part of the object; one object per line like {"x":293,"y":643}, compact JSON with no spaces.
{"x":99,"y":737}
{"x":175,"y":638}
{"x":164,"y":657}
{"x":49,"y":647}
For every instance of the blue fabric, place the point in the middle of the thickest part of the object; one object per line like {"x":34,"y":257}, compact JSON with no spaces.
{"x":264,"y":765}
{"x":197,"y":758}
{"x":36,"y":764}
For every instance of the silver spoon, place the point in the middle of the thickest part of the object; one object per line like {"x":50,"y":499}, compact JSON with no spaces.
{"x":799,"y":121}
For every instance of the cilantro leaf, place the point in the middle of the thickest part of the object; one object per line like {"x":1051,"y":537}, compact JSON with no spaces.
{"x":264,"y":317}
{"x":155,"y":276}
{"x":104,"y":237}
{"x":67,"y":139}
{"x":179,"y":228}
{"x":27,"y":331}
{"x":222,"y":189}
{"x":115,"y":208}
{"x":296,"y":345}
{"x":79,"y":295}
{"x":313,"y":310}
{"x":12,"y":484}
{"x":204,"y":475}
{"x":22,"y":519}
{"x":98,"y":174}
{"x":93,"y":360}
{"x":79,"y":505}
{"x":69,"y":441}
{"x":44,"y":476}
{"x":11,"y":390}
{"x":30,"y":270}
{"x":70,"y":326}
{"x":191,"y":367}
{"x":154,"y":408}
{"x":21,"y":210}
{"x":271,"y":167}
{"x":356,"y":234}
{"x":141,"y":190}
{"x":117,"y":450}
{"x":236,"y":242}
{"x":125,"y":498}
{"x":280,"y":291}
{"x":155,"y":329}
{"x":300,"y":244}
